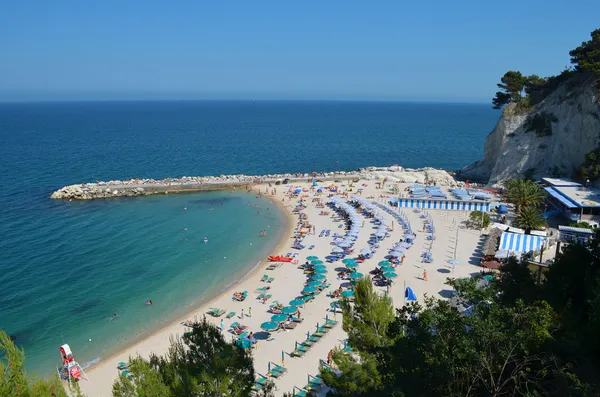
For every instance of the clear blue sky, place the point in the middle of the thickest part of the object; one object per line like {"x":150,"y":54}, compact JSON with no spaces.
{"x":287,"y":49}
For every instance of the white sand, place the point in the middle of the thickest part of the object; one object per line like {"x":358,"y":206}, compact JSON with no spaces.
{"x":289,"y":281}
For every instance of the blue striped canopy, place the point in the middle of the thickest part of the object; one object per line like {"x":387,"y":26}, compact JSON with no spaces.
{"x":520,"y":242}
{"x":444,"y":204}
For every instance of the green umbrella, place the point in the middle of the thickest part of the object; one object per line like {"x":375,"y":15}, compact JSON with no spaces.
{"x":244,"y":343}
{"x":319,"y":277}
{"x":384,"y":263}
{"x":390,"y":275}
{"x":317,"y":262}
{"x":279,"y":318}
{"x":347,"y":293}
{"x":489,"y":277}
{"x":309,"y":290}
{"x":336,"y":304}
{"x":296,"y":302}
{"x":320,"y":267}
{"x":289,"y":310}
{"x":316,"y":284}
{"x":351,"y":265}
{"x":347,"y":260}
{"x":387,"y":269}
{"x":269,"y":326}
{"x":356,"y":275}
{"x":312,"y":258}
{"x":321,"y":271}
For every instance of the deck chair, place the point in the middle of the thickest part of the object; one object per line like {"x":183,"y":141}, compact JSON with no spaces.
{"x":270,"y":280}
{"x":264,"y":278}
{"x":230,"y":315}
{"x":260,"y":383}
{"x":314,"y":383}
{"x":276,"y":370}
{"x":301,"y":350}
{"x":216,"y":312}
{"x":298,"y":392}
{"x":262,"y":289}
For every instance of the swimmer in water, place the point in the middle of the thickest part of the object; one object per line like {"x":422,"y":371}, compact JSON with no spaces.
{"x":113,"y":317}
{"x":148,"y":302}
{"x":185,"y":208}
{"x":205,"y":240}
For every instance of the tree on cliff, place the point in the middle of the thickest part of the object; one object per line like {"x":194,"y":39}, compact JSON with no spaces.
{"x":202,"y":363}
{"x":512,"y":85}
{"x":586,"y":57}
{"x":13,"y":378}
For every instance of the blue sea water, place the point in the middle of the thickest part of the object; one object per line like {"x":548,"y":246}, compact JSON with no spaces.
{"x":67,"y":266}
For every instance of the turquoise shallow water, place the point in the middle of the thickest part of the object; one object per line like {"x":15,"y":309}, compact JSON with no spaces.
{"x":66,"y":266}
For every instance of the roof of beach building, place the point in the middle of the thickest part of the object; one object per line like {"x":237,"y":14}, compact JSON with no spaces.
{"x":575,"y":196}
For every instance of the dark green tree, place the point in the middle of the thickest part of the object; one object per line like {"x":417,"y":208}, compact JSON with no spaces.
{"x":529,"y":218}
{"x":512,"y":85}
{"x":586,"y":57}
{"x":201,"y":363}
{"x":524,"y":193}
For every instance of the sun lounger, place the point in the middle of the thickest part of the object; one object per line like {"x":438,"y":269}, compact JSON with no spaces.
{"x":314,"y":383}
{"x":330,"y":323}
{"x":262,"y":289}
{"x":264,"y":296}
{"x":270,"y":280}
{"x":260,"y":383}
{"x":298,"y":392}
{"x":216,"y":312}
{"x":301,"y":350}
{"x":264,"y":278}
{"x":296,"y":319}
{"x":276,"y":370}
{"x":230,"y":315}
{"x":122,"y":365}
{"x":240,"y":298}
{"x":290,"y":325}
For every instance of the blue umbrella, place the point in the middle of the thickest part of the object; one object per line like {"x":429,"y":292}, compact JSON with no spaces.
{"x":315,"y":283}
{"x":279,"y":318}
{"x":351,"y":265}
{"x":454,"y":261}
{"x":298,"y":191}
{"x":296,"y":302}
{"x":321,"y":271}
{"x":356,"y":275}
{"x":244,"y":343}
{"x":347,"y":293}
{"x":269,"y":326}
{"x":409,"y":294}
{"x":315,"y":184}
{"x":289,"y":310}
{"x":390,"y":275}
{"x":319,"y":277}
{"x":309,"y":290}
{"x":319,"y":190}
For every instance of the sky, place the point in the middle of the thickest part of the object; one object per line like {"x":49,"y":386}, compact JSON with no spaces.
{"x":428,"y":50}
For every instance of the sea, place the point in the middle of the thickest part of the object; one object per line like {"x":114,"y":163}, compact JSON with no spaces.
{"x":66,"y":267}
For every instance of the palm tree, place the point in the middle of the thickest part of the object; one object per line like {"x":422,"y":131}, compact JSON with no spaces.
{"x":529,"y":218}
{"x":524,"y":193}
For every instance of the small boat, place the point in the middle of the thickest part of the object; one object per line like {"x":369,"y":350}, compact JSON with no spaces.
{"x":279,"y":258}
{"x":70,"y":370}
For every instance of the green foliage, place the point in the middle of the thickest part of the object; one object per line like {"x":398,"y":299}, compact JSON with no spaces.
{"x":524,"y":193}
{"x":590,"y":168}
{"x":512,"y":85}
{"x":583,"y":225}
{"x":586,"y":57}
{"x":480,"y":219}
{"x":529,"y":218}
{"x":367,"y":320}
{"x":356,"y":376}
{"x":13,"y":378}
{"x":201,"y":363}
{"x":540,"y":123}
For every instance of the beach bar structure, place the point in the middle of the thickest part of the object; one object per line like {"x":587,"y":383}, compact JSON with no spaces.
{"x":572,"y":199}
{"x":570,"y":234}
{"x":440,"y":204}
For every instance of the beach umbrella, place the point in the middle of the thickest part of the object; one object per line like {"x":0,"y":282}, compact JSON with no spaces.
{"x":365,"y":251}
{"x":489,"y":277}
{"x":320,"y":267}
{"x":312,"y":258}
{"x":351,"y":265}
{"x":315,"y":184}
{"x":309,"y":290}
{"x":319,"y":277}
{"x":279,"y":318}
{"x":297,"y":302}
{"x":409,"y":294}
{"x":347,"y":260}
{"x":356,"y":275}
{"x":289,"y":310}
{"x":244,"y":343}
{"x":347,"y":293}
{"x":336,"y":304}
{"x":269,"y":326}
{"x":390,"y":275}
{"x":454,"y":261}
{"x":337,"y":250}
{"x":387,"y":269}
{"x":316,"y":262}
{"x":344,"y":244}
{"x":321,"y":271}
{"x":384,"y":263}
{"x":316,"y":284}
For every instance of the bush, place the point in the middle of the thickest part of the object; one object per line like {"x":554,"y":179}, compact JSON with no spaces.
{"x":541,"y":123}
{"x":476,"y":217}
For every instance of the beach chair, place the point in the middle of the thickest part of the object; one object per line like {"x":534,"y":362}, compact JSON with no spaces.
{"x":270,"y":280}
{"x":314,"y":383}
{"x":296,"y":319}
{"x":264,"y":296}
{"x":262,"y":289}
{"x":122,"y":365}
{"x":290,"y":325}
{"x":260,"y":383}
{"x":298,"y":392}
{"x":300,"y":350}
{"x":330,"y":323}
{"x":275,"y":371}
{"x":216,"y":312}
{"x":230,"y":315}
{"x":264,"y":278}
{"x":323,"y":365}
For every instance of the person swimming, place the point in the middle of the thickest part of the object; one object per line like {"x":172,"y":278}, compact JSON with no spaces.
{"x":205,"y":240}
{"x":113,"y":317}
{"x":148,"y":302}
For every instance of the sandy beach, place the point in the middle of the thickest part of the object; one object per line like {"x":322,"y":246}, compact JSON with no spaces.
{"x":452,"y":241}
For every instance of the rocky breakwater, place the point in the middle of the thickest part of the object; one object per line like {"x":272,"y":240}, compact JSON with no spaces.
{"x":142,"y":187}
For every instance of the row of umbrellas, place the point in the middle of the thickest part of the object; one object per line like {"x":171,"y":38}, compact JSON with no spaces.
{"x":352,"y":234}
{"x":379,"y":218}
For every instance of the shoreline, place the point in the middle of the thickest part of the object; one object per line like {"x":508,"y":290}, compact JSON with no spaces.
{"x":200,"y":307}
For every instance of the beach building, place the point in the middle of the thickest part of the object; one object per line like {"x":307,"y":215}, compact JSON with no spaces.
{"x":572,"y":200}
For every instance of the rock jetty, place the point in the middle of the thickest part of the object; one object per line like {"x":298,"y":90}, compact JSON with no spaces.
{"x":143,"y":187}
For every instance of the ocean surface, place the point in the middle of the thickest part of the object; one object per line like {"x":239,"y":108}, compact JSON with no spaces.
{"x":66,"y":267}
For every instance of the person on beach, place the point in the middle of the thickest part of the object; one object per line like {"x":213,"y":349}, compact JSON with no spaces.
{"x":425,"y":275}
{"x":250,"y":311}
{"x":242,"y":315}
{"x":330,"y":357}
{"x":222,"y":325}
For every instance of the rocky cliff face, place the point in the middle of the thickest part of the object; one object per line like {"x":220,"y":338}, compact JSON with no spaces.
{"x":550,"y":140}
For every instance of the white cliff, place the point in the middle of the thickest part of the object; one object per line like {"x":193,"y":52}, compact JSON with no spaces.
{"x":512,"y":151}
